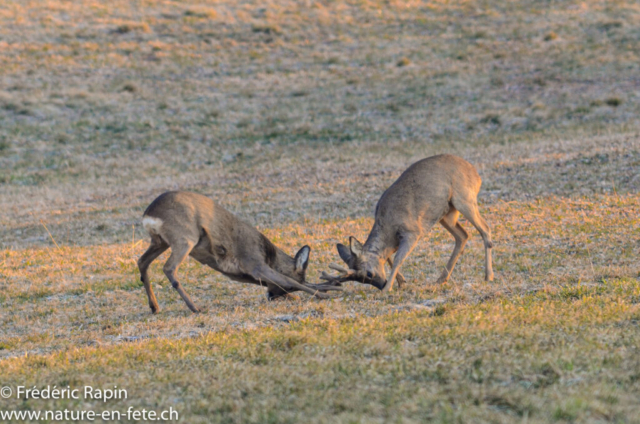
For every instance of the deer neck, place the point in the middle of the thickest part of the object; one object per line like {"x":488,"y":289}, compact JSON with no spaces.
{"x":285,"y":265}
{"x":278,"y":260}
{"x":380,"y":243}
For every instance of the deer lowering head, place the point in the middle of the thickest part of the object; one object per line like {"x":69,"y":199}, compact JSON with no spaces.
{"x":194,"y":225}
{"x":368,"y":268}
{"x":434,"y":190}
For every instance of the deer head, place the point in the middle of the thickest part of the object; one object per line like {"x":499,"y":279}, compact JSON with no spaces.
{"x":366,"y":267}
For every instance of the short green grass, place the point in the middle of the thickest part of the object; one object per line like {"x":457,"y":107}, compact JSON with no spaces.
{"x":541,"y":357}
{"x":296,"y":116}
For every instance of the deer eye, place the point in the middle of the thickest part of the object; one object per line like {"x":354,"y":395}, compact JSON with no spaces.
{"x":369,"y":274}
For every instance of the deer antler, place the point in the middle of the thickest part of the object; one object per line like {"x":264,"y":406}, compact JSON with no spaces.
{"x":329,"y":285}
{"x":342,"y":269}
{"x":346,"y":275}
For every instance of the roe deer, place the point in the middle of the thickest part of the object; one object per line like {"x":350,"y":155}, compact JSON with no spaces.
{"x":432,"y":190}
{"x":194,"y":225}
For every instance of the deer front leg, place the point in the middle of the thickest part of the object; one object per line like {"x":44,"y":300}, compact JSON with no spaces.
{"x":276,"y":293}
{"x":268,"y":275}
{"x":400,"y":278}
{"x":408,"y":242}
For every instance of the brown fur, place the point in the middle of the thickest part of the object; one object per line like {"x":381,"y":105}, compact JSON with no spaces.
{"x":435,"y":189}
{"x":194,"y":225}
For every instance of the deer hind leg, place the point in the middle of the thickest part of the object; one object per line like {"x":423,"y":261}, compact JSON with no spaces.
{"x":400,"y":278}
{"x":179,"y":252}
{"x":451,"y":224}
{"x":408,"y":242}
{"x":157,"y":247}
{"x":470,"y":211}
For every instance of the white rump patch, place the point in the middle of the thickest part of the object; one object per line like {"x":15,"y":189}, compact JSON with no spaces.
{"x":152,"y":225}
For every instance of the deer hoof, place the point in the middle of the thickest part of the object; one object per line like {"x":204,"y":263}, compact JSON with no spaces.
{"x":280,"y":297}
{"x":443,"y":279}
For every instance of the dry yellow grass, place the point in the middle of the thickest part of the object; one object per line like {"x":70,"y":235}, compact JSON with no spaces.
{"x":296,"y":116}
{"x":52,"y":291}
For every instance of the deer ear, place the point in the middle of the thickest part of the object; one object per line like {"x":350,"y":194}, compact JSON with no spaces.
{"x":344,"y":253}
{"x":302,"y":258}
{"x":356,"y":247}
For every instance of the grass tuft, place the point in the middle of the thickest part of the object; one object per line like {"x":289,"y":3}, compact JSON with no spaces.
{"x":613,"y":101}
{"x":403,"y":62}
{"x":132,"y":27}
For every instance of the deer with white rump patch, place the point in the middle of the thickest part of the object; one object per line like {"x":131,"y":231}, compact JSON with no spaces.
{"x":194,"y":225}
{"x":435,"y":189}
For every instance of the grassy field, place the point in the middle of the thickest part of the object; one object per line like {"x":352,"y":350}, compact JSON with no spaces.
{"x":296,"y":115}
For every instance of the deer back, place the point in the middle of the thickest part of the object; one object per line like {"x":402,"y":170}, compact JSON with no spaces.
{"x":425,"y":190}
{"x":221,"y":240}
